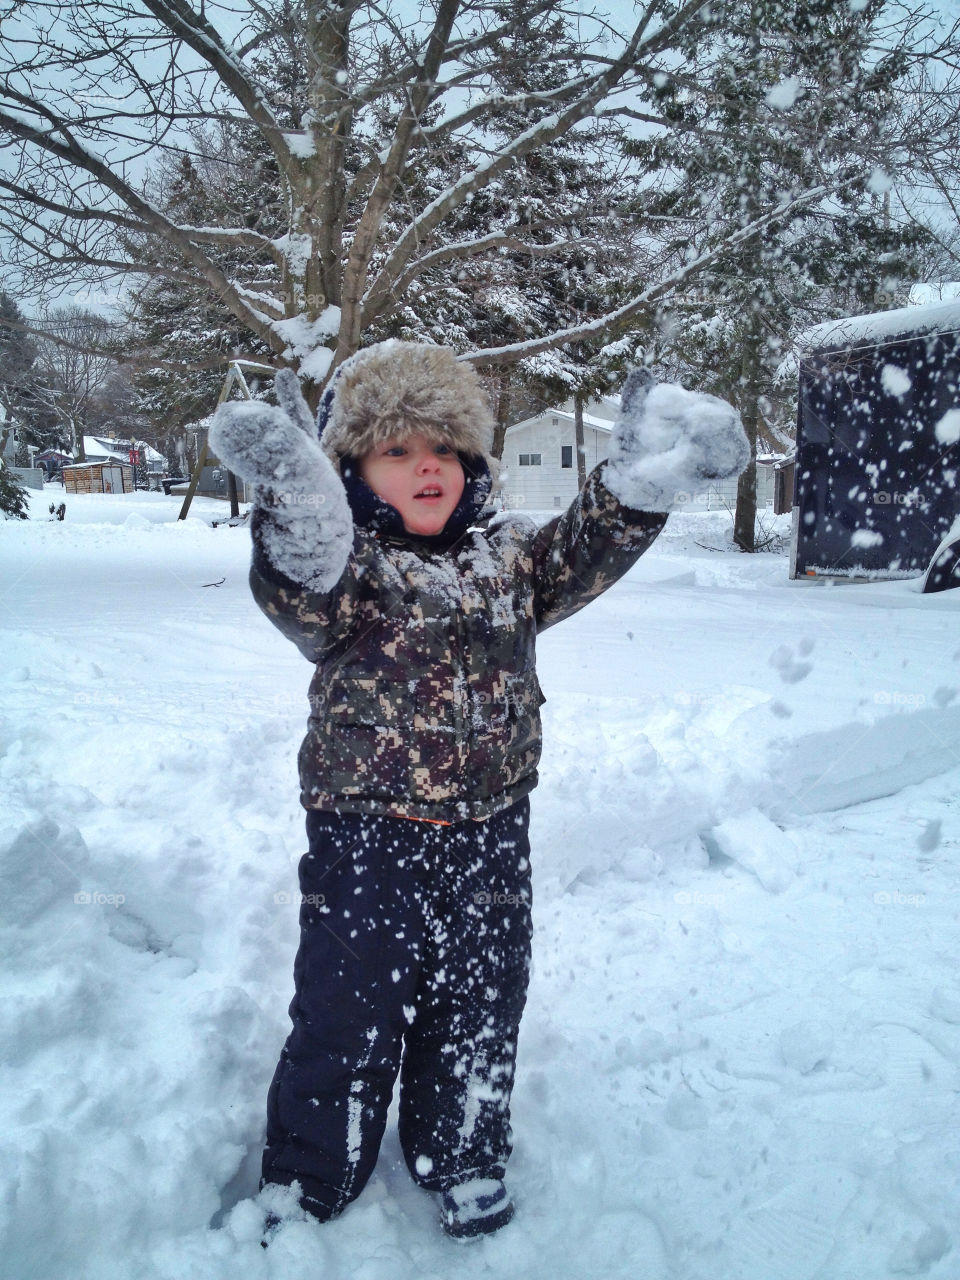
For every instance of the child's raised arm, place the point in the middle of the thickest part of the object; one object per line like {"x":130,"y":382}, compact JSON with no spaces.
{"x":667,"y":444}
{"x":304,"y":575}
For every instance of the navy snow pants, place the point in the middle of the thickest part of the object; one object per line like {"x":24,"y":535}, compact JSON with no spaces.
{"x":414,"y":958}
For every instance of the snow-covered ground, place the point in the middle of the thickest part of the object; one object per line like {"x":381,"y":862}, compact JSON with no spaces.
{"x":739,"y":1059}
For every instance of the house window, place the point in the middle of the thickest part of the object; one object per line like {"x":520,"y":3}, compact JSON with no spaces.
{"x":566,"y":455}
{"x":529,"y":459}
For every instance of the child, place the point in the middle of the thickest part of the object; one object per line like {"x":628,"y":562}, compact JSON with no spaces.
{"x":420,"y":611}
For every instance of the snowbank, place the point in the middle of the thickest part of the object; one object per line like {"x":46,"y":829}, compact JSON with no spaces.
{"x":740,"y":1051}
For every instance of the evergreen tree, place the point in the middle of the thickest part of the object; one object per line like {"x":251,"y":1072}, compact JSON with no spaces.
{"x":190,"y":334}
{"x":18,"y":355}
{"x":556,"y":254}
{"x":791,"y":94}
{"x":13,"y":496}
{"x":563,"y":201}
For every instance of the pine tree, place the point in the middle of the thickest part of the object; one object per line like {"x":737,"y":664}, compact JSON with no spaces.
{"x":18,"y":355}
{"x":565,"y":194}
{"x":558,"y":257}
{"x":14,"y":503}
{"x":792,"y":93}
{"x":191,"y":335}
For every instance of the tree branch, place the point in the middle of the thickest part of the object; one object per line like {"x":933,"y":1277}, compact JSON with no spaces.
{"x":73,"y":153}
{"x":605,"y":325}
{"x":196,"y":32}
{"x":539,"y":134}
{"x":364,"y":237}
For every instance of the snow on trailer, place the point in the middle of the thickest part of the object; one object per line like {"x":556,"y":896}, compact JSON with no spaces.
{"x":877,"y":443}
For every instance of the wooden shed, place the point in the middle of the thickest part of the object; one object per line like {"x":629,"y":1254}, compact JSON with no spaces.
{"x":98,"y":477}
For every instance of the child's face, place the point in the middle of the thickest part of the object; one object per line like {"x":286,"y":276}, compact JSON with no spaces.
{"x":408,"y":472}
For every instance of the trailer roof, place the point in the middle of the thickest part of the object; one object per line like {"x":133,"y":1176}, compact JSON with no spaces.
{"x":882,"y":326}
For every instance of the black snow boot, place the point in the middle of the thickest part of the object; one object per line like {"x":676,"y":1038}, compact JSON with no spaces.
{"x":475,"y":1208}
{"x":269,"y":1230}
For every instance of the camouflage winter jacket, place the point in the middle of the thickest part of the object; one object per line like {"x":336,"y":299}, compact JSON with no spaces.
{"x":425,"y":701}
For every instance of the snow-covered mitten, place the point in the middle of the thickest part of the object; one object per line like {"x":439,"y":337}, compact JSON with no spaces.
{"x":668,"y":443}
{"x":306,"y":528}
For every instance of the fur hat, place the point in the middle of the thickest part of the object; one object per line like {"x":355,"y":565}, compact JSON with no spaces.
{"x":404,"y":388}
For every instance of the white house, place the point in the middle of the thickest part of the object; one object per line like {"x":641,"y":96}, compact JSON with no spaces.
{"x":30,"y":476}
{"x":101,"y":449}
{"x":539,"y":470}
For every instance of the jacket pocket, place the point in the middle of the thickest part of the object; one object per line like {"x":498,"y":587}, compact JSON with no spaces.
{"x":377,"y":703}
{"x":361,"y":739}
{"x":525,"y":698}
{"x":390,"y":738}
{"x":508,"y":738}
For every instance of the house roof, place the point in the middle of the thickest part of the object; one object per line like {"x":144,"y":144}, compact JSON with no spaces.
{"x":882,"y":326}
{"x":119,"y":450}
{"x":566,"y":415}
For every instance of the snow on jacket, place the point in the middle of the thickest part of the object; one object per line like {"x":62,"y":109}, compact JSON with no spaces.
{"x":425,"y":701}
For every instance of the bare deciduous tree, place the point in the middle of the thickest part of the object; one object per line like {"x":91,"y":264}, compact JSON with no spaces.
{"x":73,"y":358}
{"x":373,"y":91}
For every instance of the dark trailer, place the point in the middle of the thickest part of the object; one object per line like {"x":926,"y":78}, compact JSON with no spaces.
{"x":875,"y":489}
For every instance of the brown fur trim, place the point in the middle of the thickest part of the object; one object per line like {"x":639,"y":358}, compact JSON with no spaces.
{"x":405,"y":388}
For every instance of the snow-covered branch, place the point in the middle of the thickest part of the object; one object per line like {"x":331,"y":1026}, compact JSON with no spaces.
{"x":152,"y":220}
{"x":365,"y":161}
{"x":540,"y":134}
{"x":196,"y":32}
{"x":642,"y":303}
{"x":464,"y":250}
